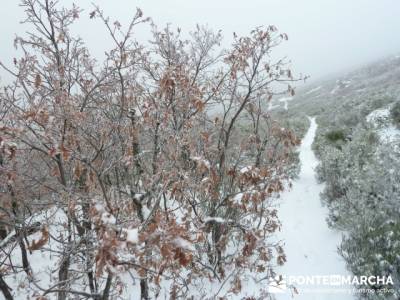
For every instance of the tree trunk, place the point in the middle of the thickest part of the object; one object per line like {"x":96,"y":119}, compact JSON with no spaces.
{"x":63,"y":277}
{"x":24,"y":255}
{"x":106,"y":293}
{"x":63,"y":273}
{"x":5,"y":289}
{"x":3,"y":232}
{"x":144,"y":289}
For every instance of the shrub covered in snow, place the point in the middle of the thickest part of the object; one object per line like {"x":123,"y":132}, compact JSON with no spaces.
{"x":362,"y":191}
{"x":395,"y":113}
{"x":373,"y":248}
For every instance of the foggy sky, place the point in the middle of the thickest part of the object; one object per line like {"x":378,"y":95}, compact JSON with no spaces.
{"x":325,"y":36}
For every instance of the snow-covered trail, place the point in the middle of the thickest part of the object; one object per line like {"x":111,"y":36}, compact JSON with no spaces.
{"x":310,"y":246}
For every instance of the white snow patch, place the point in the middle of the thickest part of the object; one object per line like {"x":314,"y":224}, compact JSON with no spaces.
{"x":238,"y":198}
{"x":271,"y":106}
{"x":108,"y":218}
{"x":340,"y":84}
{"x":335,"y":89}
{"x":132,"y":235}
{"x":214,"y":219}
{"x":380,"y":119}
{"x":378,"y":116}
{"x":99,"y":207}
{"x":246,"y":169}
{"x":138,"y":196}
{"x":314,"y":90}
{"x":184,"y":244}
{"x":250,"y":171}
{"x":389,"y":134}
{"x":285,"y":101}
{"x":202,"y":161}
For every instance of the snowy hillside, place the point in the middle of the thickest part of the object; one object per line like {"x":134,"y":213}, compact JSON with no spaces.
{"x":358,"y":144}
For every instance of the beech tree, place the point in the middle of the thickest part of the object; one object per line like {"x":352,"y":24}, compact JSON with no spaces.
{"x":160,"y":162}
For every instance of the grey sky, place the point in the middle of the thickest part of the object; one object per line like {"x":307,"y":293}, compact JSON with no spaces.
{"x":325,"y":36}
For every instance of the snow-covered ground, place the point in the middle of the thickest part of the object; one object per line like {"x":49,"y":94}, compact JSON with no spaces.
{"x":271,"y":106}
{"x":378,"y":116}
{"x":313,"y":90}
{"x":310,"y":246}
{"x":285,"y":101}
{"x":387,"y":132}
{"x":276,"y":103}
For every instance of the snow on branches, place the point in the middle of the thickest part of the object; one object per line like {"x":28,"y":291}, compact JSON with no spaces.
{"x":162,"y":159}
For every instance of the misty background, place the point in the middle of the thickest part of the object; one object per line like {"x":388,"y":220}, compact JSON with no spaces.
{"x":325,"y":37}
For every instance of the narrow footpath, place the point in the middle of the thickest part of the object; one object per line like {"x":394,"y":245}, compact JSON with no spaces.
{"x":310,"y":246}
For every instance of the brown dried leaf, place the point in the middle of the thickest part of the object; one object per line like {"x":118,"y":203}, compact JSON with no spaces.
{"x":36,"y":245}
{"x":38,"y":81}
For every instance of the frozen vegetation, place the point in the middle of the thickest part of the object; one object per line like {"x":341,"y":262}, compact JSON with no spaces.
{"x":175,"y":170}
{"x":357,"y":143}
